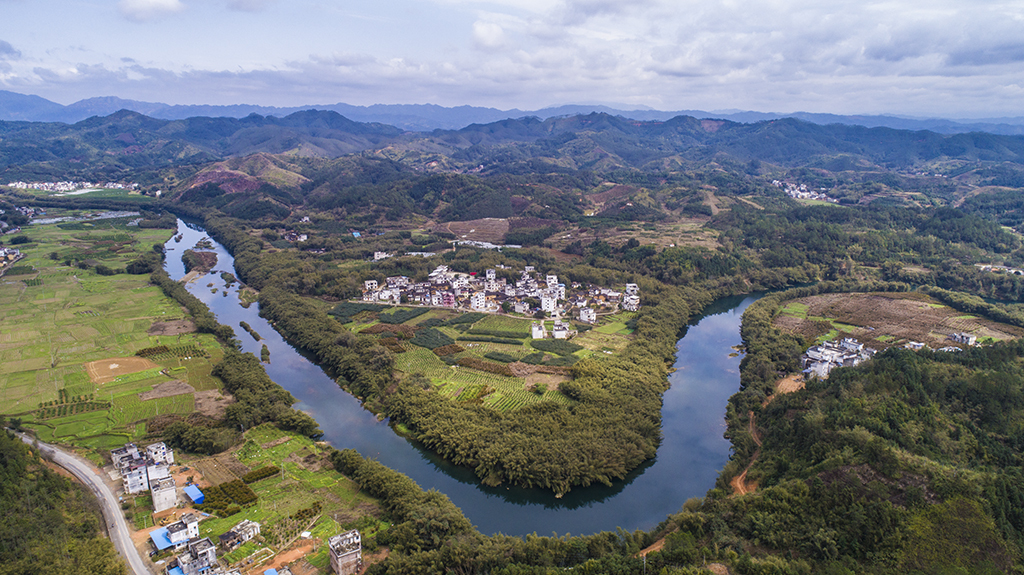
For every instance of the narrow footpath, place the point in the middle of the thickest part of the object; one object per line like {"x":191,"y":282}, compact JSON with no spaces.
{"x":739,"y":484}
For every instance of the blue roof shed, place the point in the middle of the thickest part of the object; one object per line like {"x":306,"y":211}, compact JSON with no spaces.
{"x":160,"y":539}
{"x":194,"y":494}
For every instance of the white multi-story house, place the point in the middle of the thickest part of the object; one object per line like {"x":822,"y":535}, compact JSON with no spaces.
{"x":548,"y":304}
{"x":126,"y":453}
{"x":588,"y":314}
{"x":491,"y":275}
{"x":521,"y":307}
{"x":369,"y":285}
{"x":551,"y":280}
{"x":537,"y":330}
{"x":346,"y":553}
{"x":165,"y":494}
{"x":183,"y":530}
{"x":155,"y":471}
{"x":239,"y":534}
{"x":560,"y":330}
{"x":478,"y":301}
{"x":135,"y":475}
{"x":199,"y":557}
{"x":159,"y":453}
{"x":397,"y":281}
{"x":631,"y":302}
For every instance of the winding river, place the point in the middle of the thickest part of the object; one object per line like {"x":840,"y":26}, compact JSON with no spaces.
{"x":687,"y":464}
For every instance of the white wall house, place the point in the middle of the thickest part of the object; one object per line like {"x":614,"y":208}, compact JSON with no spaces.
{"x":346,"y":552}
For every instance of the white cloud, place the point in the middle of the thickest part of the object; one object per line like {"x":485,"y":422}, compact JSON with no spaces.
{"x":149,"y":10}
{"x":488,"y":35}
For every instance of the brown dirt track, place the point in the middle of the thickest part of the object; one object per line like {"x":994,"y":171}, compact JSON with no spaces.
{"x":105,"y":370}
{"x":901,"y":317}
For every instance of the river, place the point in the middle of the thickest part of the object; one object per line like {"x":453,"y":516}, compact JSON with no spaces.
{"x":688,"y":461}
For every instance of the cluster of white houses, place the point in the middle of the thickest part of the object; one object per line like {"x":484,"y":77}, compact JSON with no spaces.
{"x":801,"y":192}
{"x":447,"y":289}
{"x":147,"y":470}
{"x":820,"y":360}
{"x":195,"y":555}
{"x":198,"y":556}
{"x":958,"y":337}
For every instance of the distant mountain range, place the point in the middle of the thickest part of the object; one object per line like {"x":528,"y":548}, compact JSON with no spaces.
{"x":429,"y":117}
{"x":126,"y":142}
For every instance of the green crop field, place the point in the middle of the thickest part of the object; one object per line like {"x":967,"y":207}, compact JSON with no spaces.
{"x":459,"y":382}
{"x":298,"y":487}
{"x":504,"y":323}
{"x":51,"y":328}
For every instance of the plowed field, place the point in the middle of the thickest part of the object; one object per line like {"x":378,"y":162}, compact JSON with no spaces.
{"x":882,"y":320}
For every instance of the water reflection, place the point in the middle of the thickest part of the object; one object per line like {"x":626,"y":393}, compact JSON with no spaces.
{"x":692,"y":452}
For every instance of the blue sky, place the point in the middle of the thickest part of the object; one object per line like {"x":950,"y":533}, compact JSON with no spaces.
{"x":937,"y":58}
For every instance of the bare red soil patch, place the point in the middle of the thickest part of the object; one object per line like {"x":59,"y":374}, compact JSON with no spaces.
{"x":105,"y":370}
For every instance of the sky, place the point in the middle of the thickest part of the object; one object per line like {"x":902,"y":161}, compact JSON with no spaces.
{"x":941,"y":58}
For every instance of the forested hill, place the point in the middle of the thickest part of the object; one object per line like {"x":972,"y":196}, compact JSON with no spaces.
{"x":47,"y":523}
{"x":128,"y":140}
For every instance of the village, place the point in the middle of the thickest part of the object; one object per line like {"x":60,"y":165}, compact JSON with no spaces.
{"x":819,"y":360}
{"x":532,"y":294}
{"x":801,"y":192}
{"x":69,"y":186}
{"x":149,"y":469}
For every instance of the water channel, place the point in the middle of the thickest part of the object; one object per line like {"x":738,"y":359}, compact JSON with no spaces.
{"x":691,"y":455}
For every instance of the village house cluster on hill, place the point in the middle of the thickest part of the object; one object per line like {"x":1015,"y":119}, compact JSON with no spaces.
{"x":820,"y":360}
{"x":531,"y":293}
{"x":801,"y":192}
{"x":958,"y":337}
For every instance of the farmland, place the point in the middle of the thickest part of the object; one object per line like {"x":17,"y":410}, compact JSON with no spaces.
{"x":68,"y":337}
{"x":885,"y":320}
{"x":483,"y":334}
{"x":306,"y":482}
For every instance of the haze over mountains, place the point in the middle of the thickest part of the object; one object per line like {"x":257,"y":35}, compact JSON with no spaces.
{"x":428,"y":117}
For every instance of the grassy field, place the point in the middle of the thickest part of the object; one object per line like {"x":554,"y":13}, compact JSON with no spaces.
{"x":884,"y":320}
{"x":302,"y":484}
{"x":504,"y":393}
{"x":58,"y":318}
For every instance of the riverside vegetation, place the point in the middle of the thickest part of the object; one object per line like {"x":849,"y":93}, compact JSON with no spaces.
{"x":909,"y":463}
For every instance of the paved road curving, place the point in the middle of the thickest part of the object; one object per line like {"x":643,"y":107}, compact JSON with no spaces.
{"x":90,"y":476}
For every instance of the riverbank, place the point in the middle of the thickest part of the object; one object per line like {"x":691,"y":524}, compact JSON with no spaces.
{"x":692,"y":452}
